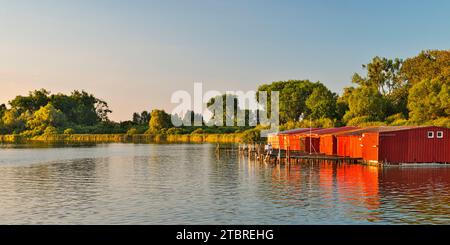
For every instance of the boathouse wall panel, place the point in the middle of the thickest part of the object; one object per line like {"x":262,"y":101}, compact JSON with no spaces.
{"x":310,"y":144}
{"x":343,"y":145}
{"x":349,"y":146}
{"x":369,"y":146}
{"x":423,"y":148}
{"x":289,"y":138}
{"x":328,"y":145}
{"x":356,"y":146}
{"x":414,"y":145}
{"x":328,"y":139}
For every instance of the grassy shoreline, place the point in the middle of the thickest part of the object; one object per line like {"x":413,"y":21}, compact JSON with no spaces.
{"x":123,"y":138}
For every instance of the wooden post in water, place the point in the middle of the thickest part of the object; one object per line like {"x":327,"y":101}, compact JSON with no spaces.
{"x":288,"y":154}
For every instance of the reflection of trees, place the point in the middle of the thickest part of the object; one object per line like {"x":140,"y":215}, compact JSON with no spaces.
{"x":45,"y":192}
{"x":416,"y":195}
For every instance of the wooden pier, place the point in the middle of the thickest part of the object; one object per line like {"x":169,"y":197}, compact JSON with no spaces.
{"x":276,"y":156}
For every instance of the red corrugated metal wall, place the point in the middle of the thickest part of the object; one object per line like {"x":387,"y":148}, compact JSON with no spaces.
{"x":277,"y":141}
{"x":343,"y":145}
{"x":310,"y":144}
{"x":294,"y":142}
{"x":414,"y":146}
{"x":369,"y":145}
{"x":349,"y":146}
{"x":423,"y":149}
{"x":393,"y":146}
{"x":328,"y":145}
{"x":355,"y":146}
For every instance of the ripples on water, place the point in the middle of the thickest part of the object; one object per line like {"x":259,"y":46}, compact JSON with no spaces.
{"x":190,"y":184}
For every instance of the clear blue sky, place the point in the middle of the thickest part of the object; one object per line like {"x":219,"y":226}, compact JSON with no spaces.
{"x":134,"y":54}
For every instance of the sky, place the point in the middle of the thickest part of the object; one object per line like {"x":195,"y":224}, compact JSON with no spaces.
{"x":134,"y":54}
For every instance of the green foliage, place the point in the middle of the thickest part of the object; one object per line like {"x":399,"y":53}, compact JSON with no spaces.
{"x":318,"y":123}
{"x":428,"y":65}
{"x":159,"y":120}
{"x":380,"y":94}
{"x":392,"y":92}
{"x":322,"y":103}
{"x":228,"y":112}
{"x":442,"y":122}
{"x":293,"y":96}
{"x":429,"y":100}
{"x":356,"y":121}
{"x":3,"y":109}
{"x":50,"y":130}
{"x":13,"y":121}
{"x":366,"y":102}
{"x":382,"y":74}
{"x":69,"y":131}
{"x":251,"y":136}
{"x":174,"y":131}
{"x":132,"y":131}
{"x":198,"y":131}
{"x":395,"y":118}
{"x":141,"y":119}
{"x":47,"y":116}
{"x":35,"y":100}
{"x":372,"y":124}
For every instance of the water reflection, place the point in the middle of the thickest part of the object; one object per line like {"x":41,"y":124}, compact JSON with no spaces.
{"x":420,"y":195}
{"x":191,"y":184}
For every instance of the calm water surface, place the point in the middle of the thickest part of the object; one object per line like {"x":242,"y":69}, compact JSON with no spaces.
{"x":190,"y":184}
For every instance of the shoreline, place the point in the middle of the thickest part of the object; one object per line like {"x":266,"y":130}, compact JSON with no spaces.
{"x":123,"y":138}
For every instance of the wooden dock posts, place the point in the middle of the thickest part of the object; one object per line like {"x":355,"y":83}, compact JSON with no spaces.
{"x":257,"y":152}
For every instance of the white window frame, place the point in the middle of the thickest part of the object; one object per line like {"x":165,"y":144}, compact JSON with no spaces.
{"x":430,"y":134}
{"x":440,"y":134}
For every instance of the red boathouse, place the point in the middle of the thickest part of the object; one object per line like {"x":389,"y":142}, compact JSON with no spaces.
{"x":411,"y":145}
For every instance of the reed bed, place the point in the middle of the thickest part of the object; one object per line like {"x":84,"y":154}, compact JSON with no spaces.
{"x":124,"y":138}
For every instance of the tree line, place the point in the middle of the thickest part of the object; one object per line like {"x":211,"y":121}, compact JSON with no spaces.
{"x":414,"y":91}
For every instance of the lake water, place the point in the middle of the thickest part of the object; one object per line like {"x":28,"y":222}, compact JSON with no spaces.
{"x":190,"y":184}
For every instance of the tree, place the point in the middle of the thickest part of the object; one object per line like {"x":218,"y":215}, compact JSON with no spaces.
{"x":69,"y":131}
{"x":35,"y":100}
{"x":293,"y":96}
{"x":382,"y":73}
{"x":380,"y":94}
{"x":322,"y":103}
{"x":159,"y":120}
{"x":13,"y":121}
{"x":366,"y":102}
{"x":190,"y":117}
{"x":80,"y":109}
{"x":141,"y":119}
{"x":89,"y":110}
{"x":50,"y":130}
{"x":228,"y":112}
{"x":132,"y":131}
{"x":251,"y":136}
{"x":429,"y":100}
{"x":429,"y":77}
{"x":343,"y":102}
{"x":427,"y":65}
{"x":136,"y":118}
{"x":145,"y":117}
{"x":2,"y":110}
{"x":46,"y":116}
